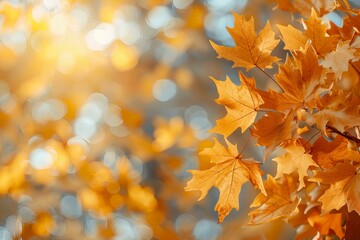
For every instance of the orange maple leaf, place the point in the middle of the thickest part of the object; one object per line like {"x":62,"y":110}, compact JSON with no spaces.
{"x":251,"y":50}
{"x":305,"y":6}
{"x":327,"y":154}
{"x":293,"y":38}
{"x":340,"y":118}
{"x":241,"y":103}
{"x":344,"y":180}
{"x":315,"y":31}
{"x":281,"y":201}
{"x":300,"y":80}
{"x":272,"y":130}
{"x":327,"y":222}
{"x":228,"y":175}
{"x":295,"y":160}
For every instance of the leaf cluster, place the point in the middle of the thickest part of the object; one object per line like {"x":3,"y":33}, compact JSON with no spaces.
{"x":310,"y":126}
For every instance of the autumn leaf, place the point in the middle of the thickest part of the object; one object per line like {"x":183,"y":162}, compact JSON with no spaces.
{"x":295,"y":160}
{"x":295,"y":39}
{"x":241,"y":103}
{"x":326,"y":154}
{"x":228,"y":175}
{"x":250,"y":50}
{"x":300,"y":80}
{"x":304,"y":7}
{"x":344,"y":188}
{"x":272,"y":130}
{"x":338,"y":60}
{"x":280,"y":202}
{"x":319,"y":81}
{"x":316,"y":32}
{"x":326,"y":223}
{"x":340,"y":118}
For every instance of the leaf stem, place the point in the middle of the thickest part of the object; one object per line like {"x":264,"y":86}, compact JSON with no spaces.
{"x":265,"y":110}
{"x":269,"y":76}
{"x":247,"y":141}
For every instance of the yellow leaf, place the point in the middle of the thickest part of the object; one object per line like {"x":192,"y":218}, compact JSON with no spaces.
{"x":327,"y":154}
{"x":316,"y":32}
{"x":272,"y":130}
{"x":228,"y":175}
{"x":241,"y":103}
{"x":292,"y":37}
{"x":344,"y":180}
{"x":300,"y":80}
{"x":338,"y":118}
{"x":295,"y":160}
{"x":338,"y":60}
{"x":279,"y":203}
{"x":251,"y":50}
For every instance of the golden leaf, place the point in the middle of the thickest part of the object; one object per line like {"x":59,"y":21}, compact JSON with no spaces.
{"x":241,"y":103}
{"x":272,"y":130}
{"x":279,"y":203}
{"x":344,"y":180}
{"x":228,"y":175}
{"x":251,"y":50}
{"x":295,"y":160}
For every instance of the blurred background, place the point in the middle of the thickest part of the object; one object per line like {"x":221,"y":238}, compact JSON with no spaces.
{"x":104,"y":106}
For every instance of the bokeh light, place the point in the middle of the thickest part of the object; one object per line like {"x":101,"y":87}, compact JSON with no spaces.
{"x":104,"y":106}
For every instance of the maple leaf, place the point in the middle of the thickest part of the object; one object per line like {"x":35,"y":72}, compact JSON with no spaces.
{"x":344,"y":180}
{"x":315,"y":31}
{"x":241,"y":103}
{"x":305,"y":6}
{"x":293,"y":38}
{"x":300,"y":80}
{"x":340,"y":118}
{"x":322,"y":7}
{"x":280,"y":202}
{"x":327,"y":154}
{"x":228,"y":175}
{"x":327,"y":222}
{"x":295,"y":160}
{"x":251,"y":50}
{"x":338,"y":60}
{"x":272,"y":130}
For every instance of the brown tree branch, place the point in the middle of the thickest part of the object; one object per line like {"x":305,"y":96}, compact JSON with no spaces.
{"x":344,"y":134}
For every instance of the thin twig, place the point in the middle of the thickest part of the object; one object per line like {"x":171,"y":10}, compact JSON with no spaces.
{"x":344,"y":134}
